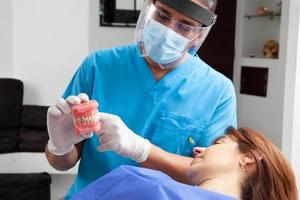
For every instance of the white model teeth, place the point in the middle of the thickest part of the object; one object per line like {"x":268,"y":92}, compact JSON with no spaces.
{"x":87,"y":119}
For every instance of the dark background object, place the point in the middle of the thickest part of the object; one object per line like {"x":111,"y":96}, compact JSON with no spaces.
{"x":11,"y":100}
{"x":33,"y":135}
{"x":254,"y":81}
{"x":22,"y":127}
{"x":34,"y":116}
{"x":8,"y":140}
{"x":111,"y":16}
{"x":218,"y":48}
{"x":25,"y":186}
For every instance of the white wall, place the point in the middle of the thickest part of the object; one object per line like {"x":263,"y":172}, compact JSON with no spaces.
{"x":277,"y":115}
{"x":60,"y":185}
{"x":51,"y":40}
{"x":43,"y":42}
{"x":106,"y":37}
{"x":257,"y":31}
{"x":296,"y":128}
{"x":6,"y":38}
{"x":296,"y":118}
{"x":291,"y":125}
{"x":264,"y":114}
{"x":261,"y":113}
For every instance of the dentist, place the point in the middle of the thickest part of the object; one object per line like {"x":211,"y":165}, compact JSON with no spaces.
{"x":158,"y":99}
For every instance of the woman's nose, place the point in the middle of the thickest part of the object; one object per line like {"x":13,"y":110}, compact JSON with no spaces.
{"x":198,"y":150}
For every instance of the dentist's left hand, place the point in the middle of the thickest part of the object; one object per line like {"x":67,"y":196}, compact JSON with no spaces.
{"x":114,"y":135}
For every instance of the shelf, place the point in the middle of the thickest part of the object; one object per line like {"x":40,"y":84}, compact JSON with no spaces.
{"x":22,"y":162}
{"x":270,"y":14}
{"x":259,"y":62}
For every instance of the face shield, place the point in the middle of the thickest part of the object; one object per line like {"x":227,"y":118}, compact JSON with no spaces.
{"x":168,"y":29}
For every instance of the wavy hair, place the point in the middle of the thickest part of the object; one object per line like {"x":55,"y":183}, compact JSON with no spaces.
{"x":273,"y":178}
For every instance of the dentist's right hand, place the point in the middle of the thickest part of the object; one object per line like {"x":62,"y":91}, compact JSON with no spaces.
{"x":62,"y":135}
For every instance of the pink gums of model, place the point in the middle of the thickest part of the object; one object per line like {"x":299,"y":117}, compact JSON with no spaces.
{"x":85,"y":117}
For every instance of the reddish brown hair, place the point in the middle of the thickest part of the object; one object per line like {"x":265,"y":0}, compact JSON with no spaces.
{"x":274,"y":179}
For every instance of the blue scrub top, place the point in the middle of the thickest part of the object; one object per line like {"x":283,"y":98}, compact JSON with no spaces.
{"x":135,"y":183}
{"x":190,"y":106}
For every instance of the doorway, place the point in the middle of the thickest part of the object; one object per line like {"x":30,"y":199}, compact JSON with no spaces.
{"x":218,"y":48}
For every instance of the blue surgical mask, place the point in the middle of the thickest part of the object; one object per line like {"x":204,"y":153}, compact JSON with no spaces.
{"x":162,"y":44}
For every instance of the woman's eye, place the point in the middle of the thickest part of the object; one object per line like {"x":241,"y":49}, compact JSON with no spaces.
{"x":220,"y":141}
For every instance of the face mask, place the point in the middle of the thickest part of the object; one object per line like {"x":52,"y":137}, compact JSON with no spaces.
{"x":162,"y":44}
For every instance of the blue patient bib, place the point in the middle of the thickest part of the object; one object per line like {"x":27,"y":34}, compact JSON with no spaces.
{"x":134,"y":183}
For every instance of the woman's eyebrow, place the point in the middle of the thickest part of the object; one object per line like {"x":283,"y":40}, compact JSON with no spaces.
{"x":216,"y":140}
{"x":220,"y":138}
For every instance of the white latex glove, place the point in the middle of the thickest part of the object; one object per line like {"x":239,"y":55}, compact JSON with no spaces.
{"x":114,"y":135}
{"x":62,"y":135}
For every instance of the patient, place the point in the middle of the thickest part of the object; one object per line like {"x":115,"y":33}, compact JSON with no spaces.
{"x":243,"y":164}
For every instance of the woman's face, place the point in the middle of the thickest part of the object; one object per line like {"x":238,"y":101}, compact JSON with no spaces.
{"x":221,"y":158}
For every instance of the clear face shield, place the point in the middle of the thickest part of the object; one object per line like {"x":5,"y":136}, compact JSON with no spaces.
{"x":169,"y":30}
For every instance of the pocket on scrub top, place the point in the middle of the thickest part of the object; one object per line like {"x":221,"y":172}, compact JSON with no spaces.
{"x":176,"y":134}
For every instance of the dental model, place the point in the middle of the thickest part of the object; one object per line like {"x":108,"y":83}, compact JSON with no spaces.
{"x":85,"y":117}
